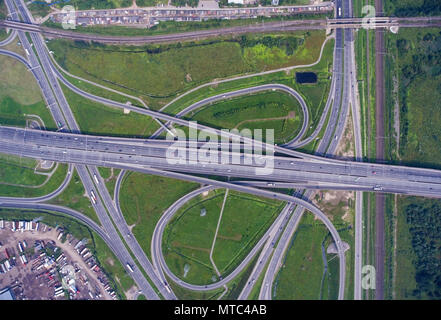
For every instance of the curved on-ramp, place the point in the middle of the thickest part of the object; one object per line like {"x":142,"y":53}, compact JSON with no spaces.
{"x":158,"y":257}
{"x":251,"y":90}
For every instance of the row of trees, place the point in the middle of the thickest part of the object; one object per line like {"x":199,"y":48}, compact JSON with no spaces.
{"x":424,"y":219}
{"x":183,"y":3}
{"x":287,"y":43}
{"x":428,"y":7}
{"x":421,"y":58}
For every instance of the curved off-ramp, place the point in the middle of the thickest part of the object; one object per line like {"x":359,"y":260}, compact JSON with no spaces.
{"x":247,"y":91}
{"x":158,"y":257}
{"x":9,"y":39}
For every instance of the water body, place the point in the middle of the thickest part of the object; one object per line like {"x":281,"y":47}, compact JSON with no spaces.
{"x":306,"y":77}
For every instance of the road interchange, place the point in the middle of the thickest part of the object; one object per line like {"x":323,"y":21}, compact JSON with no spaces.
{"x":78,"y":156}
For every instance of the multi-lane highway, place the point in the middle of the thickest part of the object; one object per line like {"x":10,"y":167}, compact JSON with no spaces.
{"x":86,"y":149}
{"x":266,"y":291}
{"x":60,"y":110}
{"x":294,"y":169}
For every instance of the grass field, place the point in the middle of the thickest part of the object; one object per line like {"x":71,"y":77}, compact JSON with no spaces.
{"x":188,"y":238}
{"x":267,"y":110}
{"x":17,"y":82}
{"x":412,"y":8}
{"x":19,"y":171}
{"x":95,"y":90}
{"x":419,"y":79}
{"x":20,"y":94}
{"x":106,"y":120}
{"x":413,"y":80}
{"x":105,"y":173}
{"x":185,"y":294}
{"x":144,"y":198}
{"x":244,"y":220}
{"x":234,"y":287}
{"x":340,"y":209}
{"x":111,"y":182}
{"x":315,"y":95}
{"x":26,"y":192}
{"x":13,"y":113}
{"x":301,"y":273}
{"x":158,"y":73}
{"x":3,"y":34}
{"x":418,"y":248}
{"x":405,"y":276}
{"x":112,"y":266}
{"x":3,"y":10}
{"x":74,"y":196}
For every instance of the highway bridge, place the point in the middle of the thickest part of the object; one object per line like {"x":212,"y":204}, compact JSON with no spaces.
{"x":139,"y":153}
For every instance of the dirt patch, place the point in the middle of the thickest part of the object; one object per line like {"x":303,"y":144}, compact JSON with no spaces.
{"x":179,"y":245}
{"x":346,"y":145}
{"x":263,"y":119}
{"x":236,"y":237}
{"x":396,"y":115}
{"x":335,"y":202}
{"x":132,"y":293}
{"x":110,"y":261}
{"x":112,"y":176}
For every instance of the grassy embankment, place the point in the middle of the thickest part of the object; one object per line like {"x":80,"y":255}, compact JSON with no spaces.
{"x":315,"y":96}
{"x":414,"y":84}
{"x":144,"y":198}
{"x":300,"y":275}
{"x":107,"y":120}
{"x":76,"y":197}
{"x":238,"y":233}
{"x":3,"y":14}
{"x":157,"y":73}
{"x":266,"y":110}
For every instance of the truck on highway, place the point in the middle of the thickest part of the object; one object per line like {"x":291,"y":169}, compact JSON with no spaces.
{"x":339,"y":12}
{"x":27,"y":52}
{"x":96,"y":178}
{"x":129,"y":267}
{"x":167,"y":288}
{"x":378,"y":188}
{"x":92,"y":196}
